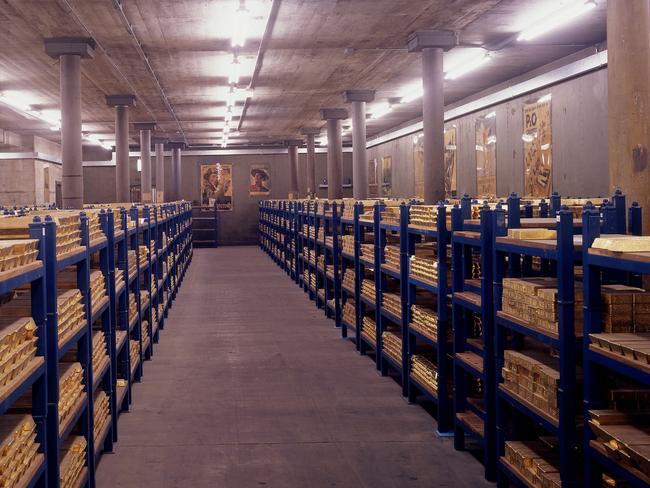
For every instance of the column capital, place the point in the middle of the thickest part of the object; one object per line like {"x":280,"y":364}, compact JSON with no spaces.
{"x":350,"y":96}
{"x":144,"y":125}
{"x":420,"y":40}
{"x":120,"y":100}
{"x":333,"y":113}
{"x":176,"y":145}
{"x":293,"y":142}
{"x":159,"y":140}
{"x":80,"y":46}
{"x":310,"y":131}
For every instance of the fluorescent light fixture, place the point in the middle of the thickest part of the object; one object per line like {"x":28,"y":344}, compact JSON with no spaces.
{"x":545,"y":98}
{"x":491,"y":115}
{"x":233,"y":76}
{"x":138,"y":165}
{"x":95,"y":139}
{"x":23,"y":103}
{"x":241,"y":27}
{"x":411,"y":92}
{"x":379,"y":110}
{"x":469,"y":60}
{"x":559,"y":14}
{"x":323,"y":141}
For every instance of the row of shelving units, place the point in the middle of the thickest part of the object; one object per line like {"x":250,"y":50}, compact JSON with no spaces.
{"x":79,"y":308}
{"x":477,"y":308}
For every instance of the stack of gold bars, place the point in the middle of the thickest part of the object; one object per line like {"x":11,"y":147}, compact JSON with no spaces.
{"x":347,"y":244}
{"x":536,"y":461}
{"x":133,"y":306}
{"x":368,"y":252}
{"x":392,"y":256}
{"x":321,"y":262}
{"x":312,"y":257}
{"x":73,"y":461}
{"x":152,"y":248}
{"x":144,"y":299}
{"x":392,"y":345}
{"x":423,"y":268}
{"x":425,"y":372}
{"x":99,"y":350}
{"x":101,"y":412}
{"x":143,"y":252}
{"x":349,"y":314}
{"x":72,"y":315}
{"x":390,"y":216}
{"x":17,"y":346}
{"x":321,"y":234}
{"x":94,"y":226}
{"x":17,"y":252}
{"x":369,"y":329}
{"x":348,"y":279}
{"x":625,"y":309}
{"x":424,"y":321}
{"x":623,"y":430}
{"x":534,"y":377}
{"x":71,"y":389}
{"x":426,"y":216}
{"x":368,"y":289}
{"x":154,"y":316}
{"x":134,"y":352}
{"x":329,"y":241}
{"x":635,"y":347}
{"x":393,"y":303}
{"x":144,"y":330}
{"x":534,"y":300}
{"x":131,"y":263}
{"x":18,"y":449}
{"x":348,"y":209}
{"x":97,"y":288}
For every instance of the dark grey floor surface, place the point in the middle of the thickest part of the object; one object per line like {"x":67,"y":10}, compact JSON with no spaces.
{"x":252,"y":386}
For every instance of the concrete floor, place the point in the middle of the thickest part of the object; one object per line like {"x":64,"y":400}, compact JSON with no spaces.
{"x":252,"y":386}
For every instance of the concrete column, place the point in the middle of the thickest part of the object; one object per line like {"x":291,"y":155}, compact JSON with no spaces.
{"x":122,"y":170}
{"x":176,"y":170}
{"x":311,"y":159}
{"x":292,"y":145}
{"x":358,"y":99}
{"x":432,"y":44}
{"x":628,"y":97}
{"x":160,"y":168}
{"x":333,"y":116}
{"x":145,"y":156}
{"x":70,"y":52}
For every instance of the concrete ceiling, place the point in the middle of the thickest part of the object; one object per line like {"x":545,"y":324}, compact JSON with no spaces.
{"x":174,"y":54}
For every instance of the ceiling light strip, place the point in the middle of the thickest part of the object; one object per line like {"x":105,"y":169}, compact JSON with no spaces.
{"x":553,"y":77}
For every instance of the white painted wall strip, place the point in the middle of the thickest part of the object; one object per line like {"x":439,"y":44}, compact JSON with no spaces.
{"x":553,"y":77}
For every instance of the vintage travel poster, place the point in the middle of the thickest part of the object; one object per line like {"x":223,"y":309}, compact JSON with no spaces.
{"x":451,"y":156}
{"x":260,"y":181}
{"x":387,"y":175}
{"x":216,"y":185}
{"x":538,"y":176}
{"x":486,"y":156}
{"x":418,"y":159}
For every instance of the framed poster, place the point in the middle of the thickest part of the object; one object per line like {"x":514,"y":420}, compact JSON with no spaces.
{"x":373,"y":191}
{"x":260,"y":181}
{"x":216,"y":185}
{"x":486,"y":156}
{"x":538,"y":176}
{"x":387,"y":176}
{"x":418,"y":160}
{"x":451,"y":155}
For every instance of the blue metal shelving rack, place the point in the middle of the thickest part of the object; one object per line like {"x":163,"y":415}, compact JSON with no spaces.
{"x":35,"y":375}
{"x":82,"y":415}
{"x":563,"y":254}
{"x":346,"y":227}
{"x":384,"y":274}
{"x":473,"y":351}
{"x":597,"y":267}
{"x":441,"y":237}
